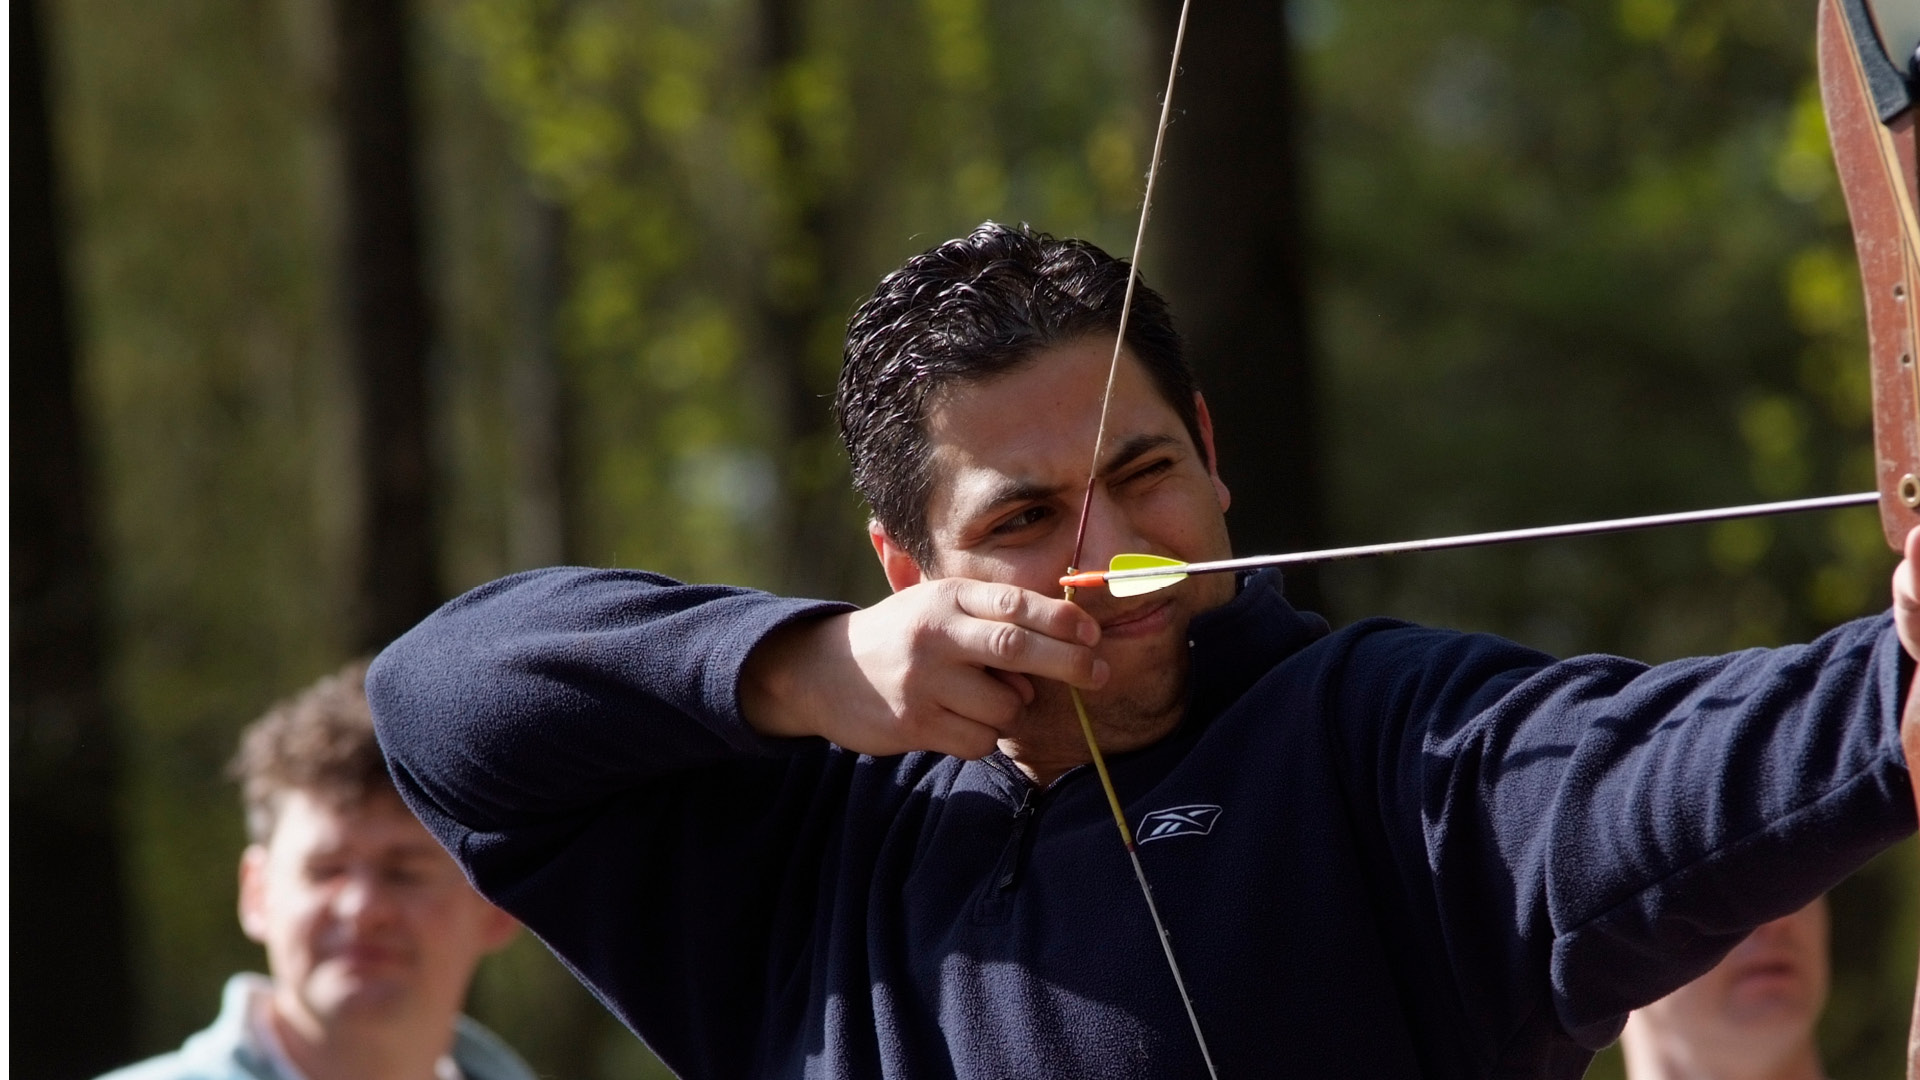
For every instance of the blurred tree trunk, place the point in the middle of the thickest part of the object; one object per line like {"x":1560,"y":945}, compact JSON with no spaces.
{"x":540,"y":531}
{"x":389,"y":322}
{"x":73,"y":1002}
{"x":1230,"y":255}
{"x":811,"y":535}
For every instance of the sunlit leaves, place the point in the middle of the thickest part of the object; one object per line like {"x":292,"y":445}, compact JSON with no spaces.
{"x":1590,"y":258}
{"x":1647,"y":20}
{"x":1607,"y":231}
{"x":1775,"y":432}
{"x":1804,"y":167}
{"x":958,"y":44}
{"x":1823,"y":290}
{"x":736,"y":176}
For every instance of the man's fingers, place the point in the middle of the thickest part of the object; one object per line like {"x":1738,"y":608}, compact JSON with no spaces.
{"x":1906,"y":596}
{"x":1020,"y":683}
{"x":1906,"y":587}
{"x":948,"y":666}
{"x":958,"y":736}
{"x":962,"y":711}
{"x":979,"y":696}
{"x":1015,"y":630}
{"x":1011,"y":648}
{"x":1056,"y":619}
{"x":1910,"y":721}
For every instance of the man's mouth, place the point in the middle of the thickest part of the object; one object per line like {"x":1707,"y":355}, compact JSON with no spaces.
{"x":360,"y":957}
{"x":1768,"y":972}
{"x":1146,"y":619}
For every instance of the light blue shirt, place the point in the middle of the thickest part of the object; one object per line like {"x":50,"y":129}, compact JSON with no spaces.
{"x":235,"y":1048}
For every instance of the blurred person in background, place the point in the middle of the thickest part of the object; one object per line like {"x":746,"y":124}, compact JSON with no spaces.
{"x":372,"y":934}
{"x":1750,"y":1018}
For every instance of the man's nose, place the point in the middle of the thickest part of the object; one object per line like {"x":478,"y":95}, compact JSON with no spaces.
{"x":363,"y":897}
{"x":1780,"y":933}
{"x":1109,"y":533}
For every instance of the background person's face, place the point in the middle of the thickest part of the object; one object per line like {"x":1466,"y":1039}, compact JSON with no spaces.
{"x":1762,"y":999}
{"x":363,"y":915}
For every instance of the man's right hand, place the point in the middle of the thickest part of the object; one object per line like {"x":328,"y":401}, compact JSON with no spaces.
{"x":940,"y":666}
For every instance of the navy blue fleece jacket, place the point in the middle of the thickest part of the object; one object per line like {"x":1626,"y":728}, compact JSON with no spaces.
{"x":1384,"y":852}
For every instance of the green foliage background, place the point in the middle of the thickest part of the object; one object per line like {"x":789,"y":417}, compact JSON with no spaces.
{"x":1590,"y":260}
{"x":1572,"y":260}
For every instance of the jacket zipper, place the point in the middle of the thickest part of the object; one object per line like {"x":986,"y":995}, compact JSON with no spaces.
{"x":1015,"y":854}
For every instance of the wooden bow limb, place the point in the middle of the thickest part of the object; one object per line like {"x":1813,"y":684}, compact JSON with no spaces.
{"x":1868,"y":93}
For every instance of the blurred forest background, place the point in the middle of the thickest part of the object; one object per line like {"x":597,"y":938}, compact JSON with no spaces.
{"x":345,"y":306}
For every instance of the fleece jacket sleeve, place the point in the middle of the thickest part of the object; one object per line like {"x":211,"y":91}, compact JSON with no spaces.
{"x":574,"y":738}
{"x":1614,"y":826}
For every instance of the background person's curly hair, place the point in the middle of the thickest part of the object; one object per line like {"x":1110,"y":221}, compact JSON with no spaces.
{"x":967,"y":311}
{"x":319,"y":741}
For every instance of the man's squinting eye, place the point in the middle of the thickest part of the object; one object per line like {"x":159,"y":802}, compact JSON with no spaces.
{"x":1148,"y":470}
{"x":1032,"y":515}
{"x":322,"y":871}
{"x":407,"y":874}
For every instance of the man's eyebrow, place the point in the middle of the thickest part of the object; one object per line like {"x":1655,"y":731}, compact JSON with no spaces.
{"x":1015,"y":490}
{"x":1132,"y":449}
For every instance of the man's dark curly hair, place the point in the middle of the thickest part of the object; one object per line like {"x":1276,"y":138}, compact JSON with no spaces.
{"x":965,"y":312}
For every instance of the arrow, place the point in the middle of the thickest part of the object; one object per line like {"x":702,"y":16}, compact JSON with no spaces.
{"x":1132,"y":575}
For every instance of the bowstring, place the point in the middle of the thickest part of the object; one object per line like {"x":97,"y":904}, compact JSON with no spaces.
{"x":1080,"y":537}
{"x":1133,"y":278}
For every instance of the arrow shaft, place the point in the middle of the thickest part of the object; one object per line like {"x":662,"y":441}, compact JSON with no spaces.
{"x":1485,"y":539}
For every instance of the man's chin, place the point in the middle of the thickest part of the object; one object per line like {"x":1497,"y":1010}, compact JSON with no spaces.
{"x":344,"y":995}
{"x":1772,"y":1006}
{"x":1148,"y":683}
{"x":1137,"y":708}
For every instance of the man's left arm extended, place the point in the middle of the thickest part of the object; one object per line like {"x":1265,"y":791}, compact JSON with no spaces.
{"x":1577,"y":838}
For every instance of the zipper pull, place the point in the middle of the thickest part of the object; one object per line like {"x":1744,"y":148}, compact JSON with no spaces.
{"x":1010,"y":862}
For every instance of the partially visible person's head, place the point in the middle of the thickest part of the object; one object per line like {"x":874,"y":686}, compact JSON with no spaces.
{"x":1753,"y":1015}
{"x":319,"y":743}
{"x":965,"y":312}
{"x":365,"y":918}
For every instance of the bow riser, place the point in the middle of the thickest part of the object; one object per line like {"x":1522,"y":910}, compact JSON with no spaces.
{"x":1870,"y":118}
{"x":1869,"y":107}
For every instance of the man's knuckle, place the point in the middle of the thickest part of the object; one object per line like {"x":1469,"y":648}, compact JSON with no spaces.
{"x":1006,"y":602}
{"x":914,"y":720}
{"x":1006,"y":642}
{"x":922,"y":632}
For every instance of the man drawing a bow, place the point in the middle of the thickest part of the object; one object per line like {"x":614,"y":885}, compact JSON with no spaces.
{"x":785,"y":837}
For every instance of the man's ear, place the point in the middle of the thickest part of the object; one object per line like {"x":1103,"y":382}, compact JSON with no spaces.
{"x":1213,"y":457}
{"x":253,"y":893}
{"x":899,"y":567}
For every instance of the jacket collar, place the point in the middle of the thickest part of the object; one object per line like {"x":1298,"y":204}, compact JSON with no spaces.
{"x":1234,"y":645}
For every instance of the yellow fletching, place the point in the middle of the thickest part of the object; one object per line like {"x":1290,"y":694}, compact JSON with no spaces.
{"x":1136,"y":586}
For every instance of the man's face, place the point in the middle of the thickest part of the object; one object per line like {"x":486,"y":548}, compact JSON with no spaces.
{"x":364,"y":917}
{"x":1759,"y":1003}
{"x":1010,"y":460}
